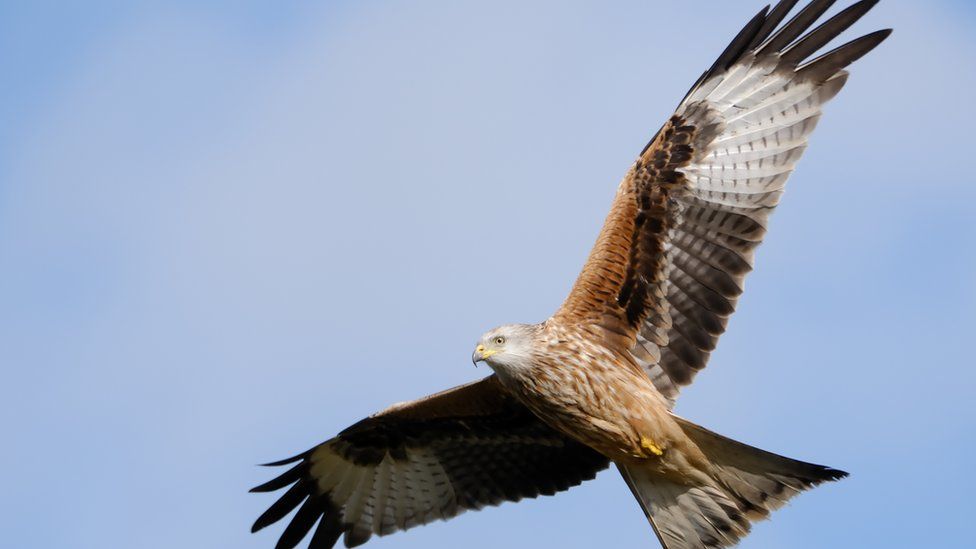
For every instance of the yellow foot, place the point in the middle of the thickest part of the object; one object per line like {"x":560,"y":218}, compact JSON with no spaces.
{"x":651,"y":446}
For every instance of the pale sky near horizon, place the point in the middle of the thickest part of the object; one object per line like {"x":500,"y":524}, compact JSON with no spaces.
{"x":230,"y":229}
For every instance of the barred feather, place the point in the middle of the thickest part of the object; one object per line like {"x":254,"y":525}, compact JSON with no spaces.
{"x":765,"y":102}
{"x":427,"y":460}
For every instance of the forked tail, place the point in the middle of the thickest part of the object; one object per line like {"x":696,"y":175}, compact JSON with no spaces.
{"x":747,"y":484}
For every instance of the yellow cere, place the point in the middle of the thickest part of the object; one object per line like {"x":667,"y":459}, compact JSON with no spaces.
{"x":484,"y":353}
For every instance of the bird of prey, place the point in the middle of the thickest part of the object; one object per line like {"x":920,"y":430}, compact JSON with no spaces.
{"x":596,"y":382}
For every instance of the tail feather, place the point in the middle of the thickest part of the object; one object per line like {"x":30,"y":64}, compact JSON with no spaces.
{"x":744,"y":484}
{"x":761,"y":481}
{"x":686,"y":517}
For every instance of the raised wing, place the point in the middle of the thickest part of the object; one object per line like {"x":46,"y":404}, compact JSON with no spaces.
{"x":417,"y":462}
{"x":670,"y":262}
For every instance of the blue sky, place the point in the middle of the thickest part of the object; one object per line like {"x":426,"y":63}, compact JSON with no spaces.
{"x":228,"y":231}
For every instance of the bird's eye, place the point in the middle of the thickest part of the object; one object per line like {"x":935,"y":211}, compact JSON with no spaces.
{"x":499,"y":340}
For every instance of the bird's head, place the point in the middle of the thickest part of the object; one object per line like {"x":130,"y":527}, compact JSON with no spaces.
{"x":506,"y":347}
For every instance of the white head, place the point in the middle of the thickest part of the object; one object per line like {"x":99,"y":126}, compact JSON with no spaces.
{"x":507,"y":348}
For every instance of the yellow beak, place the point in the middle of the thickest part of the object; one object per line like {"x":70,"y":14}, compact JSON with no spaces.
{"x":480,"y":353}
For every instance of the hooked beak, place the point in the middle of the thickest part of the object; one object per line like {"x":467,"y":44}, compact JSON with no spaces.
{"x":480,"y":354}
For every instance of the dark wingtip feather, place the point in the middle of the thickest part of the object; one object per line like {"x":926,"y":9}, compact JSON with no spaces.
{"x":817,"y":474}
{"x":288,"y":501}
{"x":835,"y":474}
{"x":773,"y":19}
{"x":830,"y":63}
{"x":796,"y":26}
{"x":288,"y":477}
{"x":285,"y":461}
{"x":820,"y":36}
{"x":300,"y":524}
{"x":329,"y":529}
{"x":739,"y":45}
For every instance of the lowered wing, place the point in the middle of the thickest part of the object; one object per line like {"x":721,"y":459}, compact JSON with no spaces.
{"x":421,"y":461}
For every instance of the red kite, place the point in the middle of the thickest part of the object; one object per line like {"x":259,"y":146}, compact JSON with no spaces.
{"x":596,"y":382}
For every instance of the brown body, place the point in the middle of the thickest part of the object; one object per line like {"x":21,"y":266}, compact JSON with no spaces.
{"x":610,"y":405}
